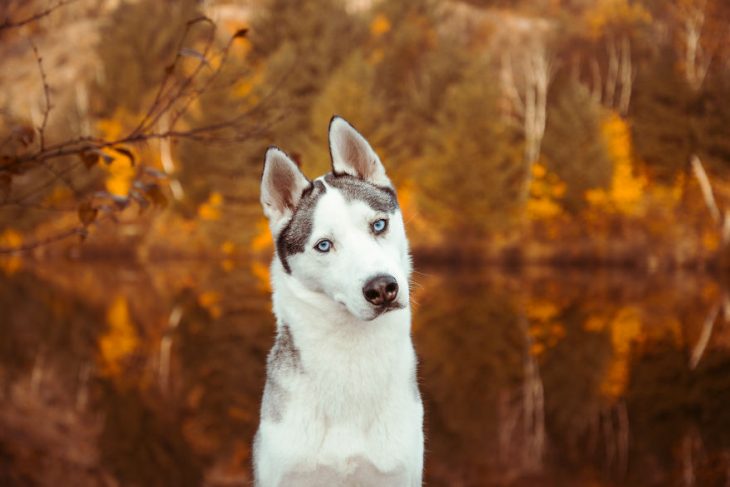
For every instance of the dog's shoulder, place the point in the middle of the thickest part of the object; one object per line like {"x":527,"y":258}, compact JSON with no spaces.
{"x":284,"y":361}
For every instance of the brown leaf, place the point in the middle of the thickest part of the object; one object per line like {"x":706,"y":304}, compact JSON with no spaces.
{"x":89,"y":158}
{"x":126,"y":153}
{"x":155,"y":195}
{"x":6,"y":184}
{"x":25,"y":134}
{"x":241,"y":33}
{"x":87,"y":213}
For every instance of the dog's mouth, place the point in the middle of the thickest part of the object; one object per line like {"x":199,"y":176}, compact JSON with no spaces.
{"x":381,"y":310}
{"x":377,"y":311}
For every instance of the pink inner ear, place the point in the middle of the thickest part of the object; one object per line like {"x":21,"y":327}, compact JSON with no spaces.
{"x":357,"y":156}
{"x":283,"y":185}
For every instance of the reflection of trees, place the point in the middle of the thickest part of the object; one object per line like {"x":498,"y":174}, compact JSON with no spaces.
{"x":608,"y":355}
{"x":99,"y":411}
{"x":221,"y":372}
{"x":141,"y":442}
{"x":574,"y":369}
{"x":472,"y":373}
{"x":46,"y":357}
{"x":681,"y":422}
{"x":516,"y":369}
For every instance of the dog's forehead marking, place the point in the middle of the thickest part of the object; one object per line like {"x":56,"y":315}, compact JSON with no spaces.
{"x":379,"y":198}
{"x":297,"y":232}
{"x":295,"y":235}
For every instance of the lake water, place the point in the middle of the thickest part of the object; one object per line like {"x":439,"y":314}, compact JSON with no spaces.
{"x":152,"y":375}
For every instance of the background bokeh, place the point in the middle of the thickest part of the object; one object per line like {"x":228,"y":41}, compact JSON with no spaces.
{"x":563,"y":167}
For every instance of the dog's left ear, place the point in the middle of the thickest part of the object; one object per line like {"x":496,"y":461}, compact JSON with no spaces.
{"x":351,"y":154}
{"x":282,"y":185}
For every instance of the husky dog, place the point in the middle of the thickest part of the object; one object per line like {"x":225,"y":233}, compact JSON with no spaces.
{"x":341,"y":404}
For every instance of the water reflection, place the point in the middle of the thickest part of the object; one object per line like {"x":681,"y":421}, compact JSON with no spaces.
{"x":120,"y":375}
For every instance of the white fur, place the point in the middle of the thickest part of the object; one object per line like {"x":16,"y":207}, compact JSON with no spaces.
{"x":352,"y":414}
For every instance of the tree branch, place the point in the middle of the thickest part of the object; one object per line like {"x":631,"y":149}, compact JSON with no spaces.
{"x":707,"y":194}
{"x":79,"y":230}
{"x":14,"y":24}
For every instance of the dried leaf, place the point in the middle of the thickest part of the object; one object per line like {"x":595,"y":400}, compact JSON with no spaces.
{"x":155,"y":195}
{"x":87,"y":213}
{"x":126,"y":153}
{"x":89,"y":158}
{"x":108,"y":159}
{"x":25,"y":134}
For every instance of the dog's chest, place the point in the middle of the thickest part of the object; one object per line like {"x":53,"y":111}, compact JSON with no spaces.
{"x":351,"y":401}
{"x":354,"y":383}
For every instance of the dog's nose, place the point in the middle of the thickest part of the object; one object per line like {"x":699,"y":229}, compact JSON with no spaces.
{"x":381,"y":290}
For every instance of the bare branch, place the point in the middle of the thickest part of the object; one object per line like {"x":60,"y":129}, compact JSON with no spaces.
{"x":14,"y":24}
{"x":79,"y":230}
{"x":46,"y":95}
{"x":176,"y":92}
{"x":704,"y":339}
{"x":707,"y":194}
{"x":159,"y":106}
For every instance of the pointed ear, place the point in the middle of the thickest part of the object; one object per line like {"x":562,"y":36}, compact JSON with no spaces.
{"x":282,"y":185}
{"x":351,"y":154}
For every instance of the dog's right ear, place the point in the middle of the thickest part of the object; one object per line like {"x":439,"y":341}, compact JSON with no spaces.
{"x":352,"y":154}
{"x":282,"y":185}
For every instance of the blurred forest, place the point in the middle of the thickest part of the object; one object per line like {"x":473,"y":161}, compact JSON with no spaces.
{"x":565,"y":131}
{"x":134,"y":289}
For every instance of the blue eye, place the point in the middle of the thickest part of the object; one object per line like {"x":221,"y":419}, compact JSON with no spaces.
{"x":379,"y":226}
{"x":323,"y":246}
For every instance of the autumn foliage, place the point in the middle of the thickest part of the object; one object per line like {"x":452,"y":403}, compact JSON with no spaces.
{"x":555,"y":133}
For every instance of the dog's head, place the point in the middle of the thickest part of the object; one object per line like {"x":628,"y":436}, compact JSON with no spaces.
{"x":341,"y":235}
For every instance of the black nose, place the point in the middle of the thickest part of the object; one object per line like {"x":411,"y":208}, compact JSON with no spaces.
{"x":381,"y":290}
